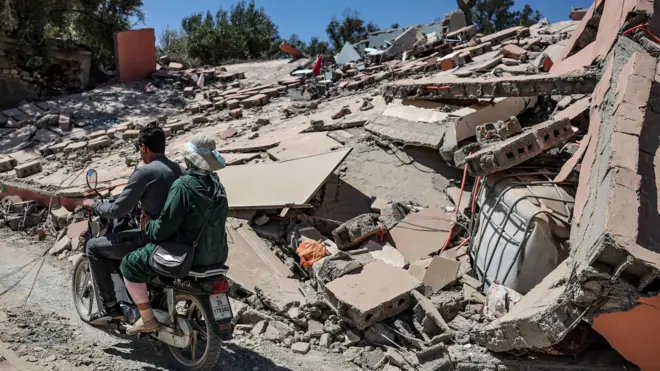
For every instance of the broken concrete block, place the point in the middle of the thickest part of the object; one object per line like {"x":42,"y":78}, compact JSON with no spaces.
{"x":197,"y":120}
{"x":28,"y":169}
{"x":99,"y":143}
{"x":277,"y":331}
{"x":514,"y":52}
{"x":498,"y":130}
{"x":416,"y":133}
{"x":131,"y":134}
{"x":64,"y":122}
{"x":440,"y":273}
{"x":7,"y":163}
{"x":386,"y":253}
{"x":377,"y":292}
{"x":236,"y":113}
{"x":61,"y":217}
{"x":356,"y":231}
{"x":280,"y":294}
{"x":175,"y":126}
{"x":188,"y":91}
{"x":63,"y":244}
{"x":418,"y":235}
{"x":259,"y":328}
{"x":77,"y":229}
{"x":519,"y":148}
{"x":75,"y":147}
{"x":300,"y":348}
{"x":451,"y":87}
{"x":254,"y":101}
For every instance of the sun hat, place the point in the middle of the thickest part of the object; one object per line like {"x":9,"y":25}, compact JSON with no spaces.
{"x":200,"y":152}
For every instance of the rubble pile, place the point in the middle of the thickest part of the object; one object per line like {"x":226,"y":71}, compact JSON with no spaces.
{"x":541,"y":138}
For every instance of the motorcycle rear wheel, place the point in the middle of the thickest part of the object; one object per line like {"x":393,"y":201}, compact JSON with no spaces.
{"x":82,"y":289}
{"x":192,"y":309}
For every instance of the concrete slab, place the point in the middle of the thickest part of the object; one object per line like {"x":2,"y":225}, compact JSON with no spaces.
{"x":421,"y":234}
{"x":422,"y":134}
{"x":377,"y":292}
{"x":468,"y":118}
{"x":250,"y":260}
{"x":280,"y":294}
{"x":302,"y":145}
{"x":412,"y":113}
{"x":277,"y":185}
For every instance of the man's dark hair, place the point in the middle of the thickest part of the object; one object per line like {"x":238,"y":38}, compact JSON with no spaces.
{"x":153,"y":137}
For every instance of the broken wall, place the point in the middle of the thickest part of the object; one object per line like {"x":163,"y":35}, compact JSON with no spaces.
{"x":135,"y":54}
{"x":614,"y":256}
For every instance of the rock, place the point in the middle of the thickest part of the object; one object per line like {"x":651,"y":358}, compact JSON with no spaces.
{"x":449,"y":303}
{"x":301,"y":348}
{"x":280,"y":294}
{"x":370,"y":359}
{"x":253,"y":317}
{"x":259,"y":328}
{"x":314,"y":328}
{"x":61,"y":245}
{"x":262,"y":122}
{"x":332,"y":328}
{"x":261,"y":220}
{"x":325,"y":341}
{"x":254,"y":135}
{"x":277,"y":331}
{"x":50,"y":358}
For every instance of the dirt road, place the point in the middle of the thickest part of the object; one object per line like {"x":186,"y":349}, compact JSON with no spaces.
{"x":43,"y":331}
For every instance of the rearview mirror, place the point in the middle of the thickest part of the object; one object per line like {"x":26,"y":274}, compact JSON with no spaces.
{"x":92,"y":179}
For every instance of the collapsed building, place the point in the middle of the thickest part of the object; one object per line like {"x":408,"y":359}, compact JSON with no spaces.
{"x":546,"y":257}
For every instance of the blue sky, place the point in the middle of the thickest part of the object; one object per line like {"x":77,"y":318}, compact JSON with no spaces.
{"x":308,"y":18}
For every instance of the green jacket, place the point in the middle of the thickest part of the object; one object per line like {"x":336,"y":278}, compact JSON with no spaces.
{"x":183,"y":216}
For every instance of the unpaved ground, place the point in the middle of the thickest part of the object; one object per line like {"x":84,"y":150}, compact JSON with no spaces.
{"x":45,"y":333}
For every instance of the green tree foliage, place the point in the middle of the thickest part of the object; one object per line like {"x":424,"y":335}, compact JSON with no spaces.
{"x":494,"y":15}
{"x":350,"y":29}
{"x":295,"y":41}
{"x":394,"y":25}
{"x":89,"y":22}
{"x":242,"y":32}
{"x":316,"y":47}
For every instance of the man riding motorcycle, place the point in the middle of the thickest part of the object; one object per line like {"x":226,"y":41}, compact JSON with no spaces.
{"x":148,"y":185}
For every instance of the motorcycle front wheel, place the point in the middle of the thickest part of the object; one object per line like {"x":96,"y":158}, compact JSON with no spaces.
{"x":82,"y":289}
{"x":204,"y":350}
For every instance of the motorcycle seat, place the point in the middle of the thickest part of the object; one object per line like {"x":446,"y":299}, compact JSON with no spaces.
{"x":208,"y":270}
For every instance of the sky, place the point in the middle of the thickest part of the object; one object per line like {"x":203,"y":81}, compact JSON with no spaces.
{"x":308,"y":18}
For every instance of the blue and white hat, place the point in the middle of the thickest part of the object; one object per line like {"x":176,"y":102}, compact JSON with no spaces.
{"x":201,"y":153}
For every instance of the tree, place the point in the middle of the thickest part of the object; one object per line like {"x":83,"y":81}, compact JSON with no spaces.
{"x":350,"y":29}
{"x":394,"y":25}
{"x":494,"y":15}
{"x":317,"y":47}
{"x":90,"y":22}
{"x":242,"y":32}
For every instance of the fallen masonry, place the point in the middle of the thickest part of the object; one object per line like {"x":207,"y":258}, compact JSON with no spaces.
{"x":441,"y":200}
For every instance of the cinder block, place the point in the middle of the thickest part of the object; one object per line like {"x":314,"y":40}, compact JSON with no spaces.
{"x":97,"y":134}
{"x":255,"y":101}
{"x":232,"y":103}
{"x":131,"y":134}
{"x":188,"y":91}
{"x":175,"y":126}
{"x":7,"y":163}
{"x":197,"y":120}
{"x":377,"y":292}
{"x":28,"y":169}
{"x":98,"y":143}
{"x":64,"y":122}
{"x":59,"y":147}
{"x":74,"y":147}
{"x":520,"y":148}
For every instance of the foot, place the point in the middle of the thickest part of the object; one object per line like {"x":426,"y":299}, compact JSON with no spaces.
{"x":113,"y":313}
{"x":151,"y":325}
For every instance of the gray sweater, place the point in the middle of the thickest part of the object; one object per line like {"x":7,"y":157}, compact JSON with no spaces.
{"x":149,"y":184}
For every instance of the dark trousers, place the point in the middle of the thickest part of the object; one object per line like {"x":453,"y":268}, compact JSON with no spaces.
{"x":105,"y":253}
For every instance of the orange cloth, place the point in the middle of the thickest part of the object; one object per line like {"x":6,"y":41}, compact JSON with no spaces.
{"x":311,"y":251}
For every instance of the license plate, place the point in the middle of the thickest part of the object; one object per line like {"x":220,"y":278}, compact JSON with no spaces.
{"x":220,"y":306}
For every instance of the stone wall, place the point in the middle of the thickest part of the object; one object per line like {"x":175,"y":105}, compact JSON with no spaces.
{"x":66,"y":69}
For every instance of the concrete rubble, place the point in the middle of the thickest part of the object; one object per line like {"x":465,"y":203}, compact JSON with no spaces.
{"x":472,"y":202}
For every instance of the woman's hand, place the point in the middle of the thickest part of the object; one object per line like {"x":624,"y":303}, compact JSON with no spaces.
{"x":144,"y":219}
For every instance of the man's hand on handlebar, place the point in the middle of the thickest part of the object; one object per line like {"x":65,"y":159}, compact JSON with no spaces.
{"x":88,"y":203}
{"x":144,"y":220}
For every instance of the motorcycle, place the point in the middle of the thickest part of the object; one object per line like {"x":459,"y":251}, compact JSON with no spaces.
{"x":194,"y":311}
